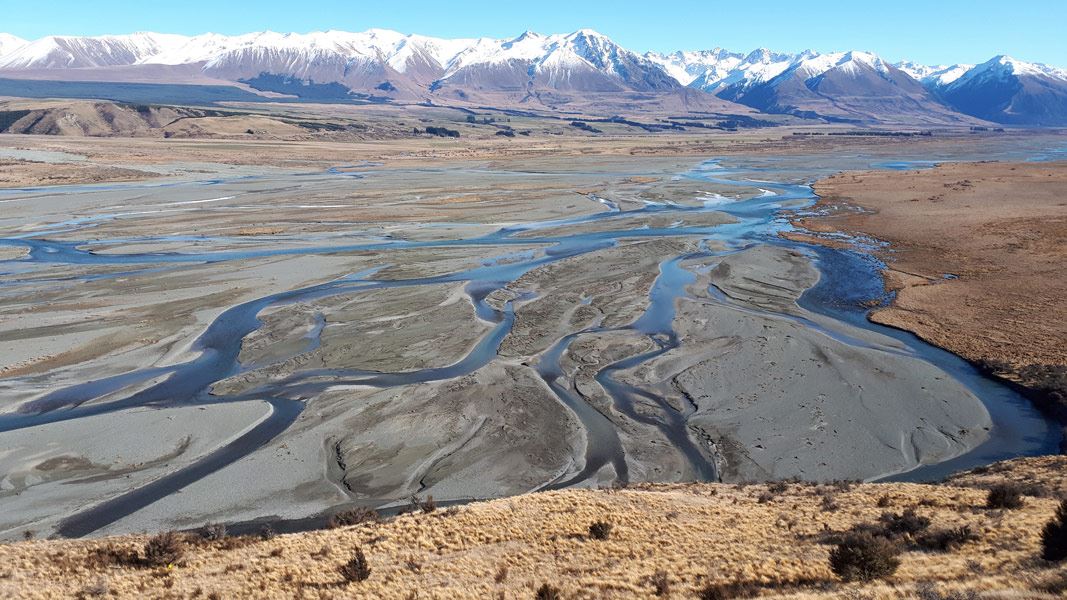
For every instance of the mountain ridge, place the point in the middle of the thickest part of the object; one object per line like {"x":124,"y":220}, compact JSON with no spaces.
{"x":849,"y":86}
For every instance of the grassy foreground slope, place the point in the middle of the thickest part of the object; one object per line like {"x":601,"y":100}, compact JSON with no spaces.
{"x":678,"y":541}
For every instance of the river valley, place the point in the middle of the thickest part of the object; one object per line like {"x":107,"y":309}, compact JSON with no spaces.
{"x":261,"y":344}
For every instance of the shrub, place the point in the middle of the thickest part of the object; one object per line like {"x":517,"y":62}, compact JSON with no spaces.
{"x":267,"y":533}
{"x":213,"y":532}
{"x":600,"y":530}
{"x":162,"y":550}
{"x":1004,"y":495}
{"x":442,"y":132}
{"x":864,"y":557}
{"x":547,"y":592}
{"x":943,"y":540}
{"x":356,"y":569}
{"x":1054,"y":536}
{"x":417,"y":504}
{"x":907,"y":523}
{"x":355,"y":516}
{"x":661,"y":584}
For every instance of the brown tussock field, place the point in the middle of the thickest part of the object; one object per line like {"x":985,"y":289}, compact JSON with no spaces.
{"x":773,"y":539}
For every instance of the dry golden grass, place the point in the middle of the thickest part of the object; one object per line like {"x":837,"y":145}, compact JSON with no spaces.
{"x":696,"y":534}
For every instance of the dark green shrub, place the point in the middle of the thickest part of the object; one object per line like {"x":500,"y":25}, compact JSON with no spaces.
{"x":907,"y":523}
{"x":661,"y":584}
{"x":547,"y":592}
{"x":356,"y":569}
{"x":600,"y":530}
{"x":943,"y":540}
{"x":162,"y":550}
{"x":1054,"y":536}
{"x":354,"y":516}
{"x":1004,"y":495}
{"x":864,"y":557}
{"x":213,"y":532}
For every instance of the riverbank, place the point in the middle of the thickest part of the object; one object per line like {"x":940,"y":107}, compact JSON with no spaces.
{"x":976,"y":256}
{"x":664,"y":541}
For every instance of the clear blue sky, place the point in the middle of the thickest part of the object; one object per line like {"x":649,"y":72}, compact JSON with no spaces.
{"x":931,"y":31}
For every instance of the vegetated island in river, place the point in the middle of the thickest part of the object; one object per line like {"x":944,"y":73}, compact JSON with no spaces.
{"x":977,"y":256}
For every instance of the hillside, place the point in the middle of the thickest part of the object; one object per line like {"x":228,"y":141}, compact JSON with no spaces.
{"x":664,"y":540}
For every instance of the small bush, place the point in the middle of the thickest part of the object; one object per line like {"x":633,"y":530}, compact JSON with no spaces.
{"x":907,"y":523}
{"x":267,"y":533}
{"x":864,"y":557}
{"x":162,"y":550}
{"x":1004,"y":495}
{"x":418,"y":504}
{"x":943,"y":540}
{"x":547,"y":592}
{"x":727,"y":591}
{"x":213,"y":532}
{"x":661,"y":584}
{"x":600,"y":530}
{"x":356,"y":569}
{"x":1054,"y":536}
{"x":778,"y":487}
{"x":884,"y":501}
{"x":355,"y":516}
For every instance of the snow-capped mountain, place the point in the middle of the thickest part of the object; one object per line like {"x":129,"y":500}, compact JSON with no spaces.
{"x":714,"y":70}
{"x":552,"y":70}
{"x":56,"y":52}
{"x":581,"y":61}
{"x":846,"y":86}
{"x":10,"y":43}
{"x":1006,"y":90}
{"x":933,"y":76}
{"x":376,"y":61}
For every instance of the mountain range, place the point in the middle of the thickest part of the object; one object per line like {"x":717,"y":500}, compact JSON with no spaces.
{"x":561,"y":72}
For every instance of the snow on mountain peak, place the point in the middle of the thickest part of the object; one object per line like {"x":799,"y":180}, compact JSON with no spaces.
{"x":10,"y":43}
{"x":294,"y":53}
{"x":1003,"y":66}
